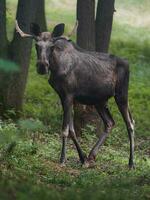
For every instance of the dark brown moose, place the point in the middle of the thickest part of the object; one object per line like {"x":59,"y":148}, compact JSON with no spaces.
{"x":88,"y":77}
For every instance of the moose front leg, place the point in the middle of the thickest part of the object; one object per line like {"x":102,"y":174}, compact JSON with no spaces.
{"x":65,"y":133}
{"x":66,"y":104}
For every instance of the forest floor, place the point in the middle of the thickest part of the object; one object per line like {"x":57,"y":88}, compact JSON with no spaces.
{"x":29,"y":168}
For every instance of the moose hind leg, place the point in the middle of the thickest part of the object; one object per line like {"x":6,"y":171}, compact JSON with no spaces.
{"x":108,"y":123}
{"x":123,"y":107}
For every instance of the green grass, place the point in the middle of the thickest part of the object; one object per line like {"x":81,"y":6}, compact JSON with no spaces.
{"x":31,"y":169}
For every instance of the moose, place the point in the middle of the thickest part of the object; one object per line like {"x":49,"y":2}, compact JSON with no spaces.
{"x":88,"y":77}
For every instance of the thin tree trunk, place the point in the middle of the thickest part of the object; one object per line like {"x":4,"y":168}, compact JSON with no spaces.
{"x":104,"y":19}
{"x":84,"y":115}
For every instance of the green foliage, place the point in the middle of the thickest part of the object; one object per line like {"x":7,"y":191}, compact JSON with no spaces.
{"x":31,"y":125}
{"x":40,"y":174}
{"x":8,"y":133}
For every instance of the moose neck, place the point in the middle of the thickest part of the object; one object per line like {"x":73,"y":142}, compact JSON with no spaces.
{"x":63,"y":61}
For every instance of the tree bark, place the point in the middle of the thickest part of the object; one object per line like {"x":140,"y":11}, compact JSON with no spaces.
{"x":40,"y":15}
{"x":3,"y":46}
{"x":84,"y":115}
{"x":19,"y":51}
{"x":3,"y":35}
{"x":86,"y":27}
{"x":104,"y":19}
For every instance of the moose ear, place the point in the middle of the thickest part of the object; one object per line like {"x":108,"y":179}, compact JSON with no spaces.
{"x":58,"y":30}
{"x":35,"y":29}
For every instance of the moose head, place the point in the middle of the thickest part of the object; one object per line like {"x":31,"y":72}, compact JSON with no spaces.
{"x":44,"y":42}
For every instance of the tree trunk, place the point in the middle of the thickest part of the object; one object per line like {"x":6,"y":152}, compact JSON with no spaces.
{"x":3,"y":46}
{"x":40,"y":15}
{"x":3,"y":35}
{"x":19,"y":51}
{"x":86,"y":27}
{"x":84,"y":115}
{"x":104,"y":19}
